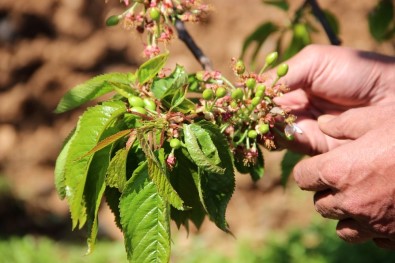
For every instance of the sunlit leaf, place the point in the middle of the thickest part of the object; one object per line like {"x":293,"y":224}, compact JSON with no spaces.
{"x":145,"y":220}
{"x":89,"y":130}
{"x":60,"y":180}
{"x":197,"y":149}
{"x":107,"y":141}
{"x":116,"y":172}
{"x":149,"y":69}
{"x":218,"y":188}
{"x":158,"y":175}
{"x":162,"y":87}
{"x":91,"y":89}
{"x":95,"y":187}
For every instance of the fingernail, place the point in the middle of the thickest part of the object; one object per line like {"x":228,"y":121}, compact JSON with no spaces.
{"x":325,"y":118}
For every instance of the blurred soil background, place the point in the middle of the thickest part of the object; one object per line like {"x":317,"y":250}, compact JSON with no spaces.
{"x":48,"y":46}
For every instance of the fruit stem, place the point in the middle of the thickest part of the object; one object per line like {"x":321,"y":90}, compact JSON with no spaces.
{"x":228,"y":82}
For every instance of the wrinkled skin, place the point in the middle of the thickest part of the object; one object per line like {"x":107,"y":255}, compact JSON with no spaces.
{"x":344,"y":99}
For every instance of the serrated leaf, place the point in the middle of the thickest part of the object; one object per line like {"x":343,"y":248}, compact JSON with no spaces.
{"x":149,"y":69}
{"x":259,"y":36}
{"x":89,"y":130}
{"x":288,"y":162}
{"x":282,"y":4}
{"x":182,"y":178}
{"x":90,"y":90}
{"x":157,"y":173}
{"x":380,"y":19}
{"x":195,"y":149}
{"x":60,"y":181}
{"x":164,"y":87}
{"x":218,"y":188}
{"x":107,"y":141}
{"x":113,"y":197}
{"x":116,"y":172}
{"x":95,"y":187}
{"x":145,"y":220}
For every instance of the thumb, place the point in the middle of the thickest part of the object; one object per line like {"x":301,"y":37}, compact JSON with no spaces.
{"x":354,"y":123}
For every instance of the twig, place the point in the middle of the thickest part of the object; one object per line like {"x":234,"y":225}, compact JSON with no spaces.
{"x":319,"y":14}
{"x":184,"y":35}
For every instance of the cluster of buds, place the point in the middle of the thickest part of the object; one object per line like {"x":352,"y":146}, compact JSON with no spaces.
{"x":155,"y":18}
{"x":246,"y":111}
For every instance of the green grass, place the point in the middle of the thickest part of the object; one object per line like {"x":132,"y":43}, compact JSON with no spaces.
{"x":317,"y":244}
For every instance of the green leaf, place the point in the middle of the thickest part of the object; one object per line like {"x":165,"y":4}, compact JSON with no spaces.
{"x":289,"y":161}
{"x":218,"y":188}
{"x":197,"y":147}
{"x":89,"y":130}
{"x":300,"y":39}
{"x":182,"y":178}
{"x":116,"y":172}
{"x":95,"y":187}
{"x":60,"y":180}
{"x":333,"y":21}
{"x":259,"y":36}
{"x":157,"y":173}
{"x":107,"y":141}
{"x":149,"y":69}
{"x":380,"y":19}
{"x":90,"y":90}
{"x":145,"y":220}
{"x":113,"y":196}
{"x":163,"y":87}
{"x":282,"y":4}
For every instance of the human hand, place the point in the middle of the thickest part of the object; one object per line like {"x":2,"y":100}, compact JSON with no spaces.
{"x":354,"y":183}
{"x":331,"y":80}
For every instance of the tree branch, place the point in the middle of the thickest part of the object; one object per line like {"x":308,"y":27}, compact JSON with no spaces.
{"x":184,"y":35}
{"x":319,"y":14}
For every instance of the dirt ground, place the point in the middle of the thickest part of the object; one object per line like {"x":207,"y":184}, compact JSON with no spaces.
{"x":48,"y":46}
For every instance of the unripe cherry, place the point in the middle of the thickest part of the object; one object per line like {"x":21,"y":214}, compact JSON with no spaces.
{"x":250,"y":83}
{"x":112,"y":20}
{"x":154,"y":13}
{"x":237,"y":94}
{"x":136,"y":101}
{"x":271,"y":58}
{"x":252,"y":134}
{"x":149,"y":104}
{"x":282,"y":70}
{"x":220,"y":92}
{"x":200,"y":75}
{"x":208,"y":94}
{"x":175,"y":143}
{"x":240,"y":67}
{"x":263,"y":128}
{"x":255,"y":101}
{"x":138,"y":109}
{"x":260,"y":90}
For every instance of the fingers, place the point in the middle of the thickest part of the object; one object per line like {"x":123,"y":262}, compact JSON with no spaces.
{"x":327,"y":204}
{"x":354,"y":123}
{"x":325,"y":171}
{"x":352,"y":231}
